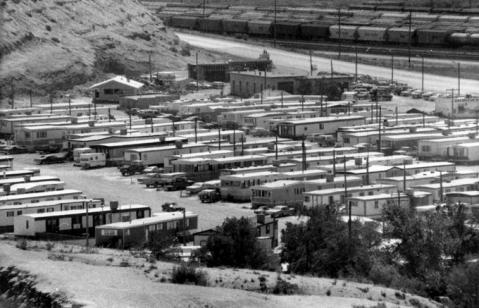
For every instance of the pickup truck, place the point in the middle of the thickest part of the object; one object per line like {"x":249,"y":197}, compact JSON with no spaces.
{"x":132,"y":168}
{"x":280,"y":211}
{"x":160,"y":179}
{"x":178,"y":184}
{"x":51,"y":158}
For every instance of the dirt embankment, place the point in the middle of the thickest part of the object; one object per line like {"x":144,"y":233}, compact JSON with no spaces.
{"x":54,"y":44}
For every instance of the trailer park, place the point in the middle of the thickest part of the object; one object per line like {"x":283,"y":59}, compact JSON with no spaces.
{"x":127,"y":162}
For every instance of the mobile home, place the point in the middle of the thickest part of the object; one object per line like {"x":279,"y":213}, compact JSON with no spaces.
{"x":281,"y":192}
{"x":138,"y":231}
{"x":158,"y":155}
{"x":237,"y":187}
{"x":373,"y":206}
{"x":74,"y":222}
{"x":41,"y":196}
{"x":320,"y":126}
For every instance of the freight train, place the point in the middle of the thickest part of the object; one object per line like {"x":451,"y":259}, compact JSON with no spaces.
{"x":366,"y":23}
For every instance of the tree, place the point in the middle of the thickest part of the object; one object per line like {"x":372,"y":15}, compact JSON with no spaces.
{"x":322,"y":246}
{"x":463,"y":285}
{"x":235,"y":245}
{"x":159,"y":242}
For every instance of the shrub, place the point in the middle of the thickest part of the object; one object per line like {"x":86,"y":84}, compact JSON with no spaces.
{"x":56,"y":40}
{"x":188,"y":274}
{"x":185,"y":51}
{"x":328,"y":293}
{"x":284,"y":287}
{"x":49,"y":246}
{"x":48,"y":27}
{"x":22,"y":244}
{"x":173,"y":49}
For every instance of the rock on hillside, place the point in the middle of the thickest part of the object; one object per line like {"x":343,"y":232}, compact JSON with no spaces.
{"x":47,"y":45}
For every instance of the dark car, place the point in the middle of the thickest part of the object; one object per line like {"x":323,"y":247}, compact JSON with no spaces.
{"x":178,"y":184}
{"x":13,"y":149}
{"x":51,"y":159}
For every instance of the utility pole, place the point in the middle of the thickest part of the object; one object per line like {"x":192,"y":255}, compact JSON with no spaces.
{"x":310,"y":62}
{"x":12,"y":93}
{"x":404,"y":175}
{"x":109,"y":115}
{"x":441,"y":193}
{"x":149,"y":65}
{"x":397,"y":116}
{"x":350,"y":235}
{"x":334,"y":162}
{"x":282,"y":99}
{"x":274,"y":25}
{"x":339,"y":34}
{"x":234,"y":141}
{"x":379,"y":130}
{"x":367,"y":170}
{"x":87,"y":226}
{"x":276,"y":147}
{"x":409,"y":39}
{"x":332,"y":69}
{"x":197,"y":67}
{"x":31,"y":98}
{"x":303,"y":149}
{"x":459,"y":79}
{"x":219,"y":138}
{"x":422,"y":74}
{"x":356,"y":63}
{"x":196,"y":130}
{"x":51,"y":103}
{"x":477,"y":123}
{"x":302,"y":102}
{"x":69,"y":105}
{"x":129,"y":116}
{"x":242,"y":145}
{"x":392,"y":68}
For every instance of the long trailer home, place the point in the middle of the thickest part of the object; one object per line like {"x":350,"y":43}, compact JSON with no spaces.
{"x":418,"y":179}
{"x":9,"y":212}
{"x":36,"y":137}
{"x":310,"y":152}
{"x":168,"y":127}
{"x":373,"y":206}
{"x":8,"y":125}
{"x":335,"y":196}
{"x":88,"y":139}
{"x":34,"y":179}
{"x":137,"y":232}
{"x":465,"y":153}
{"x":438,"y":190}
{"x":421,"y":167}
{"x":237,"y":187}
{"x":442,"y":148}
{"x":115,"y":151}
{"x":204,"y":169}
{"x":159,"y":155}
{"x":213,"y":136}
{"x":32,"y":187}
{"x":74,"y":222}
{"x":297,"y":129}
{"x":41,"y":196}
{"x":281,"y":192}
{"x":10,"y":174}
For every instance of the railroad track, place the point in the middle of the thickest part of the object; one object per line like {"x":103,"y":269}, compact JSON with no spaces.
{"x":441,"y":53}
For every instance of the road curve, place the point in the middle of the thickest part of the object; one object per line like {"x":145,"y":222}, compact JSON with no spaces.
{"x":300,"y":61}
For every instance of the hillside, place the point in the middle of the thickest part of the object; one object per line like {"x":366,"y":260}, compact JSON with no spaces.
{"x":53,"y":44}
{"x":111,"y":278}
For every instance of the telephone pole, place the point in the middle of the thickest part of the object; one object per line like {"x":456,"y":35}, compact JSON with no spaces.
{"x":409,"y":38}
{"x":459,"y":79}
{"x":339,"y":34}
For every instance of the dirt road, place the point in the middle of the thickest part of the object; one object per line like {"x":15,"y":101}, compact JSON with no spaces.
{"x":301,"y":61}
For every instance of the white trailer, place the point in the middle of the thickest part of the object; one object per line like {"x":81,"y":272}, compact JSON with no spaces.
{"x":92,"y":160}
{"x":77,"y":152}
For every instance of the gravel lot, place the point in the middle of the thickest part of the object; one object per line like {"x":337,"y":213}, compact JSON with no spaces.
{"x":108,"y":183}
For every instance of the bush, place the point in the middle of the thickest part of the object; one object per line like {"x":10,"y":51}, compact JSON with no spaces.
{"x":173,"y":49}
{"x":22,"y":244}
{"x":188,"y":274}
{"x":185,"y":51}
{"x":48,"y":27}
{"x":49,"y":246}
{"x":284,"y":287}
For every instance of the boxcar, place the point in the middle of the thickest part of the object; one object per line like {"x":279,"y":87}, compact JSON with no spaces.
{"x":356,"y":21}
{"x":395,"y":15}
{"x":423,"y":9}
{"x":287,"y":29}
{"x":453,"y":18}
{"x":231,"y":25}
{"x":400,"y":35}
{"x":432,"y":36}
{"x":470,"y":11}
{"x":388,"y":21}
{"x":187,"y":22}
{"x":311,"y":31}
{"x":474,"y":39}
{"x":423,"y":17}
{"x":210,"y":24}
{"x":347,"y":32}
{"x":259,"y":27}
{"x":459,"y":39}
{"x":372,"y":34}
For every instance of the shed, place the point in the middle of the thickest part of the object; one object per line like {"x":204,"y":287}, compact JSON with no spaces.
{"x":110,"y":91}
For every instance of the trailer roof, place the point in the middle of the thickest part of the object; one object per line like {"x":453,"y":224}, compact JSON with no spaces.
{"x":156,"y":218}
{"x":48,"y":203}
{"x":40,"y":194}
{"x":91,"y":211}
{"x":329,"y":191}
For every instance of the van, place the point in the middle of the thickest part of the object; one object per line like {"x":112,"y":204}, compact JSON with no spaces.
{"x":77,"y":152}
{"x":92,"y":160}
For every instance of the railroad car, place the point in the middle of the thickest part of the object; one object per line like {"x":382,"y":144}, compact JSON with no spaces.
{"x":372,"y":34}
{"x":391,"y":8}
{"x":252,"y":15}
{"x":355,"y":21}
{"x":395,"y":15}
{"x":231,"y":25}
{"x":314,"y":31}
{"x":362,"y":7}
{"x":423,"y":9}
{"x":260,"y":28}
{"x":366,"y":14}
{"x":387,"y":21}
{"x":470,"y":11}
{"x":430,"y":36}
{"x":453,"y":18}
{"x":444,"y":10}
{"x":185,"y":5}
{"x":460,"y":39}
{"x":217,"y":6}
{"x":423,"y":17}
{"x":474,"y":39}
{"x":186,"y":22}
{"x":287,"y":29}
{"x":400,"y":35}
{"x":349,"y":33}
{"x":242,"y":8}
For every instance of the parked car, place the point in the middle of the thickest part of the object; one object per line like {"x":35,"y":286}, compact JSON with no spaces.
{"x":195,"y":188}
{"x":51,"y":158}
{"x":13,"y":149}
{"x":171,"y":207}
{"x":178,"y":184}
{"x":159,"y":179}
{"x":261,"y":210}
{"x":280,"y":211}
{"x":209,"y":195}
{"x":153,"y":169}
{"x":132,"y":168}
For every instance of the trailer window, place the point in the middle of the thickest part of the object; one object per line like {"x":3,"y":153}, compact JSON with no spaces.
{"x":10,"y":214}
{"x":19,"y":212}
{"x":108,"y":232}
{"x":27,"y":224}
